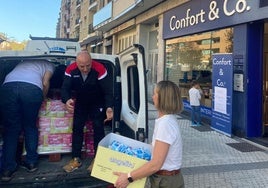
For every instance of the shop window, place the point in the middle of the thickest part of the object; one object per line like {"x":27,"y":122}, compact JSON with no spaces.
{"x":206,"y":52}
{"x":217,"y":40}
{"x":263,"y":3}
{"x":207,"y":41}
{"x":188,"y":58}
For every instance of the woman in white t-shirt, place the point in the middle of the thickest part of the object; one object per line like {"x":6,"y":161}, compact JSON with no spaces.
{"x":163,"y":169}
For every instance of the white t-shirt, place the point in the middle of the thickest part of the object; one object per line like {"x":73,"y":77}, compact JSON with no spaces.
{"x":167,"y":130}
{"x":30,"y":72}
{"x":194,"y":95}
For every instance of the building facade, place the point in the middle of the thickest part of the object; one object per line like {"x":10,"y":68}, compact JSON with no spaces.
{"x":180,"y":38}
{"x":200,"y":30}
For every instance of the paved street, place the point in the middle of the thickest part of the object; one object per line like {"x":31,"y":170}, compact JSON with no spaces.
{"x":213,"y":160}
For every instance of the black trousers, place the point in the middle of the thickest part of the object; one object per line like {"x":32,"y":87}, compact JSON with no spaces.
{"x":96,"y":115}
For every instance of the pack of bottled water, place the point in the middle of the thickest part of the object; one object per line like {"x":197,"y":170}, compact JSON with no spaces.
{"x":136,"y":152}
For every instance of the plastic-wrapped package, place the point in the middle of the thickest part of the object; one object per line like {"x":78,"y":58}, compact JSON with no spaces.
{"x":136,"y":152}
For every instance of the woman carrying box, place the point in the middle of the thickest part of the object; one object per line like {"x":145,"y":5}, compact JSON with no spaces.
{"x":163,"y":170}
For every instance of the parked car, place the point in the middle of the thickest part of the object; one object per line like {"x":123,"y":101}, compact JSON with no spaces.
{"x":127,"y":74}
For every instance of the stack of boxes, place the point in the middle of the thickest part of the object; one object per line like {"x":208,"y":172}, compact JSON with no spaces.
{"x":55,"y":130}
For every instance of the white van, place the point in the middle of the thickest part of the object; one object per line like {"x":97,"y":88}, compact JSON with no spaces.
{"x":127,"y":74}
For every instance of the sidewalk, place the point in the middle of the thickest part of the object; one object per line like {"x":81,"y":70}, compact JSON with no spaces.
{"x":213,"y":160}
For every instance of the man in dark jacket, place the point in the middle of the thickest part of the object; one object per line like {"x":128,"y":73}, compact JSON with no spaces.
{"x":92,"y":97}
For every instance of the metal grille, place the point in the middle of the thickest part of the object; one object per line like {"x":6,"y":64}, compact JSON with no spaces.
{"x":202,"y":128}
{"x":244,"y":147}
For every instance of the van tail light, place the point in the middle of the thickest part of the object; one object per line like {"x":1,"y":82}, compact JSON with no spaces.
{"x":140,"y":135}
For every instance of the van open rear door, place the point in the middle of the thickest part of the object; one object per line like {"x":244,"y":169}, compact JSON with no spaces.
{"x":134,"y":108}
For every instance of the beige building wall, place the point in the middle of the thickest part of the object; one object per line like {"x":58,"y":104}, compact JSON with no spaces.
{"x":75,"y":19}
{"x":85,"y":19}
{"x":64,"y":21}
{"x":120,"y":6}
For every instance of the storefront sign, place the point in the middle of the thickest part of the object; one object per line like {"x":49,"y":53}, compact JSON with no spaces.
{"x":204,"y":15}
{"x":222,"y":87}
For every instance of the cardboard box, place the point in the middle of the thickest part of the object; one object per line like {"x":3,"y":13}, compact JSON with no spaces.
{"x":108,"y":161}
{"x":61,"y":125}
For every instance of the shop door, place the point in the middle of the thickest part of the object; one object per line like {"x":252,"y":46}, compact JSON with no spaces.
{"x":152,"y":71}
{"x":265,"y":95}
{"x":265,"y":81}
{"x":152,"y":62}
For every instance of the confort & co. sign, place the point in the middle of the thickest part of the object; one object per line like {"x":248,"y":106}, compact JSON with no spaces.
{"x":202,"y":15}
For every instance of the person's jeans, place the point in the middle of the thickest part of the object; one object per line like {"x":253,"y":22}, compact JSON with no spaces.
{"x":195,"y":115}
{"x":20,"y":104}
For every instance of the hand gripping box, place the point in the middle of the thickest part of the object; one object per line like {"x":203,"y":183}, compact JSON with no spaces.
{"x":108,"y":161}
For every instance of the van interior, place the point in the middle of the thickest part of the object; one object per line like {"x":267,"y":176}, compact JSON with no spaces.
{"x":50,"y":172}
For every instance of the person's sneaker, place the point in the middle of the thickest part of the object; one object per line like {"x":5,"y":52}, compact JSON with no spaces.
{"x":193,"y":123}
{"x":74,"y":164}
{"x":7,"y":175}
{"x":29,"y":167}
{"x":89,"y":169}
